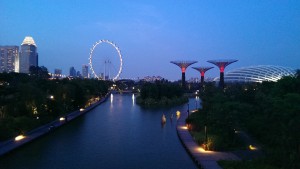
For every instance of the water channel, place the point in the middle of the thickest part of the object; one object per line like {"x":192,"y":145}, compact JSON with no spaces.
{"x":116,"y":134}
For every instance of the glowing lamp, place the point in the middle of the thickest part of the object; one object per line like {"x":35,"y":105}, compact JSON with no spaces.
{"x":184,"y":127}
{"x":251,"y":147}
{"x":19,"y":137}
{"x":202,"y":150}
{"x":61,"y":119}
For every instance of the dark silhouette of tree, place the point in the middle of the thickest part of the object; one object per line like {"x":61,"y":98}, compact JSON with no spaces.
{"x":39,"y":72}
{"x":268,"y":111}
{"x":298,"y":73}
{"x":161,"y":93}
{"x":28,"y":101}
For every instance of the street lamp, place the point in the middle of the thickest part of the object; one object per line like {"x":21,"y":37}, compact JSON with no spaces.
{"x":188,"y":110}
{"x":205,"y":130}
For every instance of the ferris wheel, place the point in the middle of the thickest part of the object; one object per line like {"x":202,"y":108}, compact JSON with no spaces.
{"x":117,"y":73}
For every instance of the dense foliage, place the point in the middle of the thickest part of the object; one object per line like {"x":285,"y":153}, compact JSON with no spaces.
{"x":161,"y":93}
{"x":269,"y":112}
{"x":29,"y":101}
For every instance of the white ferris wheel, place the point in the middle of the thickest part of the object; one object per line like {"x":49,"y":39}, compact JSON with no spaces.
{"x":113,"y":75}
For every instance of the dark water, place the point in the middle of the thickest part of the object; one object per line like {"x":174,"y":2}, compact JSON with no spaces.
{"x":116,"y":134}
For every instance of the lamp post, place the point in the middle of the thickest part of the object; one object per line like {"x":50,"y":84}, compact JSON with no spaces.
{"x":205,"y":130}
{"x":188,"y":110}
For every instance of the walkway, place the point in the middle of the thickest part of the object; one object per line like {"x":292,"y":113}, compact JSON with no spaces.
{"x":204,"y":159}
{"x":10,"y":145}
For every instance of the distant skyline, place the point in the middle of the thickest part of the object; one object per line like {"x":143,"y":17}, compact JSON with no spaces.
{"x":150,"y":34}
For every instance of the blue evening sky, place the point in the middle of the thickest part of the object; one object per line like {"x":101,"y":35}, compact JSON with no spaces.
{"x":152,"y":33}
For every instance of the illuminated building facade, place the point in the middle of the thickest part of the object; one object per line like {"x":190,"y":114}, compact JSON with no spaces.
{"x":85,"y":71}
{"x":57,"y":73}
{"x":28,"y":55}
{"x":9,"y":59}
{"x":152,"y":78}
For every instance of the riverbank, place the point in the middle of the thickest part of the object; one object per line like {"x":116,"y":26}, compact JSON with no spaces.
{"x":14,"y":143}
{"x":204,"y":159}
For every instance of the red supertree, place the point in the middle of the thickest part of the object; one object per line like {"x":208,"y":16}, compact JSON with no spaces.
{"x":202,"y":71}
{"x":222,"y":65}
{"x":183,"y":66}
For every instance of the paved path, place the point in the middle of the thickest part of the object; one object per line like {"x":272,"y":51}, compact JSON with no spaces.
{"x":10,"y":145}
{"x":204,"y":159}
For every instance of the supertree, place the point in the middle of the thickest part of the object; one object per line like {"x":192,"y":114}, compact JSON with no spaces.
{"x":222,"y":65}
{"x":202,"y":71}
{"x":183,"y":66}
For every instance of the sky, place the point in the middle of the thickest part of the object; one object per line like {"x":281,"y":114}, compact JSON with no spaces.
{"x":152,"y":33}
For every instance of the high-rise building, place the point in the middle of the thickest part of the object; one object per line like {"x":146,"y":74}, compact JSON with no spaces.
{"x":28,"y":55}
{"x":85,"y":71}
{"x":57,"y":73}
{"x":78,"y":74}
{"x":72,"y":72}
{"x":9,"y":59}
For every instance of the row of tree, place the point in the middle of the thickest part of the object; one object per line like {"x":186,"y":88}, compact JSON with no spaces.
{"x":269,"y":111}
{"x":28,"y":101}
{"x":161,"y":93}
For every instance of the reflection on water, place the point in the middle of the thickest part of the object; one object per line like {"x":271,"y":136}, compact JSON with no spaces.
{"x":177,"y":114}
{"x":111,"y":98}
{"x":133,"y":99}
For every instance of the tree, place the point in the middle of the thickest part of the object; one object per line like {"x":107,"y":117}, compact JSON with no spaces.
{"x":39,"y":72}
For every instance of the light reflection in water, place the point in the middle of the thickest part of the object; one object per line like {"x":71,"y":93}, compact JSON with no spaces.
{"x":197,"y":102}
{"x":133,"y":99}
{"x":111,"y":100}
